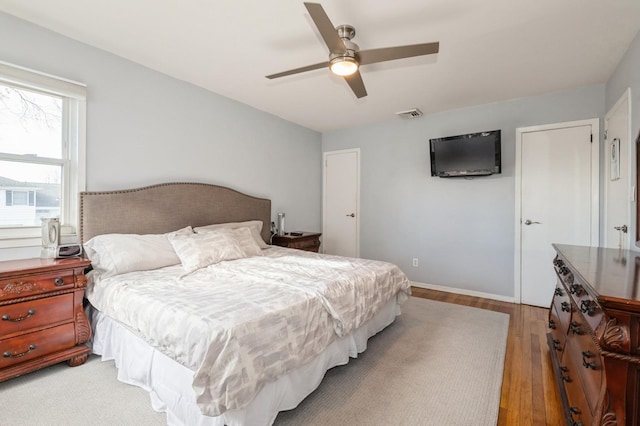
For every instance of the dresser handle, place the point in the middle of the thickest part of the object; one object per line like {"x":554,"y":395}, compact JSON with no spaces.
{"x":586,"y":364}
{"x":564,"y":369}
{"x":575,"y":328}
{"x":556,"y":345}
{"x":587,"y":307}
{"x":576,"y":289}
{"x":552,"y":324}
{"x":558,"y":292}
{"x":565,"y":307}
{"x":58,"y":281}
{"x":30,"y":312}
{"x":574,"y":409}
{"x":8,"y":354}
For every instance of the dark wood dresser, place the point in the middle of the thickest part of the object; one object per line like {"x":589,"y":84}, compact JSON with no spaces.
{"x":42,"y":321}
{"x":309,"y":241}
{"x":594,"y":335}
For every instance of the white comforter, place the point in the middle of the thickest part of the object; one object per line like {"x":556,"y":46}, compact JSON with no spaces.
{"x":242,"y":323}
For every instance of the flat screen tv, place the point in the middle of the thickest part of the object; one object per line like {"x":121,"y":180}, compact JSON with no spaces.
{"x":474,"y":154}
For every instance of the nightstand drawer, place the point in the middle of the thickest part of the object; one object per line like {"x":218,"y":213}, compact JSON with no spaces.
{"x":305,"y":244}
{"x":26,"y":286}
{"x":308,"y":241}
{"x":35,"y":313}
{"x":33,"y":345}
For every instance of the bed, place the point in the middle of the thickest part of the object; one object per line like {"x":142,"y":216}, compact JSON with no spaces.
{"x":220,"y":328}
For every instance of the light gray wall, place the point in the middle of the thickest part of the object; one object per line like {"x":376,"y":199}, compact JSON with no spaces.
{"x":627,"y":75}
{"x":144,"y":127}
{"x":462,"y":231}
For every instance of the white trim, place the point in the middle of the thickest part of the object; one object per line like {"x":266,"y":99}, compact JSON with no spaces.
{"x":27,"y":78}
{"x":464,"y":292}
{"x":74,"y":145}
{"x":626,"y":96}
{"x":595,"y":190}
{"x":324,"y":191}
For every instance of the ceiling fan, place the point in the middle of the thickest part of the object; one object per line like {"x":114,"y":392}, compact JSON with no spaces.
{"x":345,"y":57}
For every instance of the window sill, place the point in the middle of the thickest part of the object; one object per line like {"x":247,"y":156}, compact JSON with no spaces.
{"x":32,"y":237}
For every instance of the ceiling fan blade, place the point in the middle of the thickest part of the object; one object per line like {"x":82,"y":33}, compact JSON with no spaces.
{"x":357,"y":85}
{"x":326,"y":28}
{"x":299,"y":70}
{"x":373,"y":56}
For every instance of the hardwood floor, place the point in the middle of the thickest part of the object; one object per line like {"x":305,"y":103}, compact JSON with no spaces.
{"x":529,"y":391}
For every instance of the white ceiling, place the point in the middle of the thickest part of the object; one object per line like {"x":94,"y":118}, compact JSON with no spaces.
{"x":490,"y":50}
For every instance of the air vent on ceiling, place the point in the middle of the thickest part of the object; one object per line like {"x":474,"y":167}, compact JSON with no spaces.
{"x":411,"y":113}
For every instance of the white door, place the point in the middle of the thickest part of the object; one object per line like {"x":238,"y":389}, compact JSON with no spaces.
{"x":617,"y":192}
{"x":341,"y":201}
{"x":557,"y":185}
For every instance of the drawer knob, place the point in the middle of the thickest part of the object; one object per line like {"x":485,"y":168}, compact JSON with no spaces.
{"x":552,"y":324}
{"x":565,"y":307}
{"x":29,"y":313}
{"x":574,"y":409}
{"x":575,"y":327}
{"x":8,"y":354}
{"x":576,"y":289}
{"x":58,"y":281}
{"x":588,"y":364}
{"x":558,"y":292}
{"x":588,"y":307}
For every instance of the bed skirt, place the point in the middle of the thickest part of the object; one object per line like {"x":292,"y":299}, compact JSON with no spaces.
{"x":169,"y":383}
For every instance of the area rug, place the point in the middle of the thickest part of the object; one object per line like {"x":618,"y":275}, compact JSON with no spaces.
{"x":437,"y":364}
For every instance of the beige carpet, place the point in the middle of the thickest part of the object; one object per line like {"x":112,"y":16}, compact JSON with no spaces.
{"x":438,"y":364}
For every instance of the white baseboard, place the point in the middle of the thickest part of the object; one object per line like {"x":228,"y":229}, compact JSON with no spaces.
{"x":464,"y":291}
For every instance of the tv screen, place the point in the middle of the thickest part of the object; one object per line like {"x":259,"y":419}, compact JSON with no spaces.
{"x":474,"y":154}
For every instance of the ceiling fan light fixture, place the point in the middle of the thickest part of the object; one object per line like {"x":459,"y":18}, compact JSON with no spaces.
{"x":343,"y":65}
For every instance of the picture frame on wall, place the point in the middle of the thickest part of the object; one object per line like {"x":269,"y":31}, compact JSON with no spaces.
{"x":614,"y":159}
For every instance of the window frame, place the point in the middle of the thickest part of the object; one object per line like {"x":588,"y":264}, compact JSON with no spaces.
{"x":73,"y":161}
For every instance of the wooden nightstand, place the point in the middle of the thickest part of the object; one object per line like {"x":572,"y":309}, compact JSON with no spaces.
{"x":309,"y":241}
{"x":42,"y":321}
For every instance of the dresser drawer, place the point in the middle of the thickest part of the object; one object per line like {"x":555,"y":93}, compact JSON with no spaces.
{"x":26,"y":285}
{"x":35,"y":313}
{"x":562,"y":304}
{"x":578,"y":407}
{"x":588,"y":365}
{"x":33,"y":345}
{"x":557,"y":335}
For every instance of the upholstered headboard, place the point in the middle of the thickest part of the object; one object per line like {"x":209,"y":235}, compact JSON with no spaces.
{"x":167,"y":207}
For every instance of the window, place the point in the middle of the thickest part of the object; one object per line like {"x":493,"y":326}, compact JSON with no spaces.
{"x":42,"y":145}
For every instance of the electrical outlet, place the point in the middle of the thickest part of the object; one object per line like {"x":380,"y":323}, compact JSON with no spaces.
{"x":415,"y":262}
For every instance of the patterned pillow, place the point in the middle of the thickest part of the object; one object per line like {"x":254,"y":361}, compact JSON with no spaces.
{"x":254,"y":225}
{"x":200,"y":250}
{"x":245,"y":239}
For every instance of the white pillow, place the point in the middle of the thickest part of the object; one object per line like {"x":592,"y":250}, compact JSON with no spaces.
{"x":113,"y":254}
{"x":200,"y":250}
{"x":254,"y":225}
{"x":245,"y":240}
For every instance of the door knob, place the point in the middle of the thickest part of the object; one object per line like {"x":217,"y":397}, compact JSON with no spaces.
{"x":351,"y":215}
{"x":622,"y":228}
{"x":530,"y":222}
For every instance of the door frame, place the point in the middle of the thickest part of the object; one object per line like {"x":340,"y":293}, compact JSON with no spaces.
{"x":595,"y":191}
{"x":324,"y":191}
{"x":625,"y":96}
